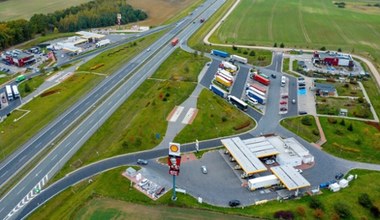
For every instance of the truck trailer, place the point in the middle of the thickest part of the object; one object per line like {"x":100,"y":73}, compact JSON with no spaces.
{"x":220,"y":53}
{"x":239,"y":59}
{"x":103,"y":43}
{"x":261,"y":79}
{"x":219,"y":91}
{"x":228,"y":66}
{"x":260,"y":99}
{"x":259,"y":88}
{"x":253,"y":89}
{"x":263,"y":182}
{"x":8,"y":90}
{"x":16,"y":93}
{"x":174,"y":41}
{"x":223,"y":81}
{"x":225,"y":75}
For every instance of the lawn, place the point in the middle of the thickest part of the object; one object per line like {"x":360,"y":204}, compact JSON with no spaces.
{"x":45,"y":109}
{"x":360,"y":144}
{"x":301,"y":23}
{"x":345,"y":89}
{"x":143,"y":116}
{"x":331,"y":106}
{"x":88,"y":200}
{"x":303,"y":126}
{"x":216,"y":118}
{"x":373,"y":91}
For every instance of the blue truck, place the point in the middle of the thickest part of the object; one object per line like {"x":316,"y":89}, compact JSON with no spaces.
{"x":220,"y":53}
{"x":217,"y":90}
{"x":260,"y":99}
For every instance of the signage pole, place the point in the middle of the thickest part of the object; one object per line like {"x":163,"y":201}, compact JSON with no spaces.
{"x":174,"y":197}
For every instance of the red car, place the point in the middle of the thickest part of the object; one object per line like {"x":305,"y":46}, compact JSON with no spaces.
{"x":283,"y":102}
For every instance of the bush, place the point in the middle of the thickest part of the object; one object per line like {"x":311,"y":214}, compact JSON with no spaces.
{"x":319,"y":214}
{"x":342,"y":210}
{"x":224,"y":119}
{"x":361,"y":100}
{"x":358,"y":142}
{"x":306,"y":121}
{"x":252,"y":53}
{"x":27,"y":88}
{"x":332,"y":120}
{"x":245,"y":52}
{"x":323,"y":48}
{"x":282,"y":45}
{"x":375,"y":211}
{"x":234,"y":47}
{"x":316,"y":132}
{"x":301,"y":211}
{"x":339,"y":132}
{"x":283,"y":215}
{"x":350,"y":127}
{"x":275,"y":45}
{"x":315,"y":203}
{"x":343,"y":123}
{"x":365,"y":201}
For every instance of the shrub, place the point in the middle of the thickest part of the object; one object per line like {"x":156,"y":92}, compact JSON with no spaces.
{"x":358,"y":142}
{"x":338,"y":132}
{"x":275,"y":45}
{"x":283,"y":215}
{"x":224,"y":119}
{"x":332,"y":120}
{"x":27,"y":88}
{"x":360,"y":99}
{"x":243,"y":125}
{"x":239,"y":50}
{"x":350,"y":127}
{"x":375,"y":211}
{"x":316,"y":132}
{"x":315,"y":203}
{"x":252,"y":53}
{"x":234,"y":47}
{"x":343,"y":123}
{"x":301,"y":211}
{"x":245,"y":52}
{"x":306,"y":121}
{"x":319,"y":214}
{"x":342,"y":210}
{"x":282,"y":45}
{"x":323,"y":48}
{"x":365,"y":201}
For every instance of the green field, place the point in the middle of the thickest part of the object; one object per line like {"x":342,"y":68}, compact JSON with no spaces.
{"x":361,"y":144}
{"x":216,"y":118}
{"x":332,"y":106}
{"x":309,"y":132}
{"x":16,"y":9}
{"x":110,"y":196}
{"x":304,"y":24}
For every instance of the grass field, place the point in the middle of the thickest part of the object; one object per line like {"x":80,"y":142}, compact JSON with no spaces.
{"x":216,"y":118}
{"x":110,"y":196}
{"x":332,"y":106}
{"x":361,"y":144}
{"x":301,"y":23}
{"x":308,"y":132}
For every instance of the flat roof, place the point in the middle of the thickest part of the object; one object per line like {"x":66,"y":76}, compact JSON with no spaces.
{"x":296,"y":146}
{"x":243,"y":156}
{"x":86,"y":34}
{"x":261,"y":147}
{"x":290,"y":177}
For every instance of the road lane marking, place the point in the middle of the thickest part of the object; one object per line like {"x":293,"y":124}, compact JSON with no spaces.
{"x":54,"y":157}
{"x":4,"y":173}
{"x":20,"y":190}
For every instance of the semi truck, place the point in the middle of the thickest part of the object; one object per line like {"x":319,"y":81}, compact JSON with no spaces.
{"x":225,"y":75}
{"x":239,"y":59}
{"x":253,"y":89}
{"x":103,"y":43}
{"x":259,"y":88}
{"x":220,"y":53}
{"x":228,"y":66}
{"x":260,"y":99}
{"x":16,"y":94}
{"x":263,"y":182}
{"x":219,"y":91}
{"x":223,"y":81}
{"x":260,"y":79}
{"x":8,"y":90}
{"x":175,"y":41}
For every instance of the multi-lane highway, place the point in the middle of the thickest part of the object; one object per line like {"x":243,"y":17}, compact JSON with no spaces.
{"x":146,"y":63}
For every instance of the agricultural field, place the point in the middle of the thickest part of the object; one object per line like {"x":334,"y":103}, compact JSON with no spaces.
{"x":301,"y":23}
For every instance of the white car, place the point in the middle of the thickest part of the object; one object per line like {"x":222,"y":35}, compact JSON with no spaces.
{"x":299,"y":170}
{"x":270,"y":162}
{"x":143,"y":182}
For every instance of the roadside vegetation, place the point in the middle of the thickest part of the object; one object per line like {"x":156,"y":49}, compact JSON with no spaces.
{"x":303,"y":126}
{"x":350,"y":88}
{"x":373,"y":92}
{"x":111,"y":189}
{"x":46,"y":107}
{"x":356,"y":107}
{"x":352,"y":139}
{"x":215,"y":118}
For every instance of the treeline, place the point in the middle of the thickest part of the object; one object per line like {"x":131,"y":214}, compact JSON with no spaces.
{"x":97,"y":13}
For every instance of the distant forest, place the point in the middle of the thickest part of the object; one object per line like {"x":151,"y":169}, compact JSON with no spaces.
{"x":97,"y":13}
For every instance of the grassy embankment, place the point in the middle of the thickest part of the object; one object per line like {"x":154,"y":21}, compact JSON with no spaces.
{"x":118,"y":199}
{"x":216,"y":118}
{"x":304,"y":126}
{"x":47,"y":107}
{"x":260,"y":58}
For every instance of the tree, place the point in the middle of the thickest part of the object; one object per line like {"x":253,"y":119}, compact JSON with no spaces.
{"x":319,"y":214}
{"x":343,"y":123}
{"x":342,"y":210}
{"x":339,"y":50}
{"x":375,"y":211}
{"x":252,"y":53}
{"x":27,"y":88}
{"x":306,"y":121}
{"x":323,"y":48}
{"x":275,"y":45}
{"x":234,"y":47}
{"x":282,"y":45}
{"x":350,"y":127}
{"x":315,"y":203}
{"x":365,"y":201}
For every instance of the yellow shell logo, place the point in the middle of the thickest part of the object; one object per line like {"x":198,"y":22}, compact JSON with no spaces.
{"x":174,"y":148}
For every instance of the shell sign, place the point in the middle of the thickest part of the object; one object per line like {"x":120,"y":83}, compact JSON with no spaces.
{"x":174,"y":149}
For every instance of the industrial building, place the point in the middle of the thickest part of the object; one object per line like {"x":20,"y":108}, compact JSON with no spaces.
{"x":333,"y":59}
{"x":18,"y":57}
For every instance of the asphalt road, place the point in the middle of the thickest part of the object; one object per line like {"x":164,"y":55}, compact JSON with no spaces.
{"x":160,"y":50}
{"x":238,"y":87}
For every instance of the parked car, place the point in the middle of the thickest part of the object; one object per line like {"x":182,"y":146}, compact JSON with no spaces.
{"x":339,"y":176}
{"x":204,"y":169}
{"x":283,"y":102}
{"x":284,"y":96}
{"x":143,"y":182}
{"x":299,"y":170}
{"x":270,"y":162}
{"x":234,"y":203}
{"x":302,"y":113}
{"x":273,"y":76}
{"x":142,"y":162}
{"x":283,"y":109}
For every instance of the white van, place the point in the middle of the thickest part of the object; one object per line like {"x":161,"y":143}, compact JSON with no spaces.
{"x":283,"y":81}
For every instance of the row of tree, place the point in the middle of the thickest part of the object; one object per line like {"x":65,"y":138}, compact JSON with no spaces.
{"x":97,"y":13}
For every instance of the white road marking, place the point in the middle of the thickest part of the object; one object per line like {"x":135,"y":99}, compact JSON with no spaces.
{"x":176,"y":114}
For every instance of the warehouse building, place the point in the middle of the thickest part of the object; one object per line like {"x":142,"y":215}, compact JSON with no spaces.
{"x":333,"y":59}
{"x":18,"y":57}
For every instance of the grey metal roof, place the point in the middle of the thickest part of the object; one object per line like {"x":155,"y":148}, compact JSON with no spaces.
{"x":243,"y":156}
{"x":290,"y":177}
{"x":260,"y":147}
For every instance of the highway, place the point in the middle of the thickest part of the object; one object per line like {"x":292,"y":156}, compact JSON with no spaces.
{"x":23,"y":192}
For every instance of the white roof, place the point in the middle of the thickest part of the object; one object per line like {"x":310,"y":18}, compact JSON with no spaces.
{"x":290,"y":177}
{"x":244,"y":157}
{"x":69,"y":47}
{"x":86,"y":34}
{"x":262,"y":178}
{"x":260,"y":147}
{"x":296,"y":147}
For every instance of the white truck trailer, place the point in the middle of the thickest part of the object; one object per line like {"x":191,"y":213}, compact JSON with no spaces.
{"x":8,"y":90}
{"x":16,"y":93}
{"x":262,"y":182}
{"x":103,"y":43}
{"x":239,"y":59}
{"x":228,"y":66}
